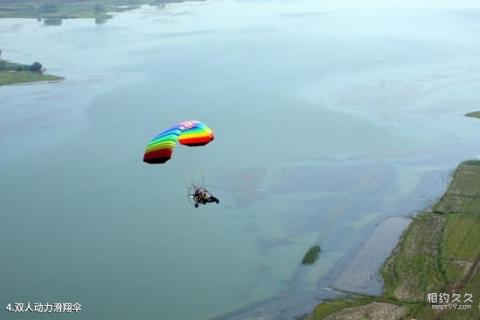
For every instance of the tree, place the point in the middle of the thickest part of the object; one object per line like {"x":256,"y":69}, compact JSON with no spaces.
{"x":36,"y":67}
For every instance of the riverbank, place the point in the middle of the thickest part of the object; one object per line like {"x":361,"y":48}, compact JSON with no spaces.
{"x":437,"y":254}
{"x":474,"y":114}
{"x":53,"y":11}
{"x":15,"y":73}
{"x":18,"y":77}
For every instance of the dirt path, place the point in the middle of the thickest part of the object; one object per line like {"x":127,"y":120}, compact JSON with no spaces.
{"x":468,"y":277}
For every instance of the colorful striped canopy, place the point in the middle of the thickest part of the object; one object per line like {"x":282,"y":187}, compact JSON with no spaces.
{"x":190,"y":133}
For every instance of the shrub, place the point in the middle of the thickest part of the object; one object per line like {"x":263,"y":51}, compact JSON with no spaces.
{"x":311,"y":255}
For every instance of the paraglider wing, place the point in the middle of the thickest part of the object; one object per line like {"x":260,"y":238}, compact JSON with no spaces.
{"x":190,"y":133}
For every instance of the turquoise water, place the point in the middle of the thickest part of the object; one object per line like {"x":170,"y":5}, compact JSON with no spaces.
{"x":330,"y":120}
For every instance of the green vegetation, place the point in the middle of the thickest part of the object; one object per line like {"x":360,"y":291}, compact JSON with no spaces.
{"x":7,"y":77}
{"x":415,"y":269}
{"x":55,"y":10}
{"x":11,"y":73}
{"x":463,"y":194}
{"x":359,"y":308}
{"x":330,"y":307}
{"x":475,"y":114}
{"x":311,"y":255}
{"x":438,"y":253}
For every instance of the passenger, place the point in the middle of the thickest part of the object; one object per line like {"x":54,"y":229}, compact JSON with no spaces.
{"x":202,"y":196}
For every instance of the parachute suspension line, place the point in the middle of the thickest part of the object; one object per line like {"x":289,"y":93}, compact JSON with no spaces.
{"x":195,"y":165}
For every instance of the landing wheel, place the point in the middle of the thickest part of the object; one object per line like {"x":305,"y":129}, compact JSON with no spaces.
{"x":217,"y":201}
{"x":196,"y":205}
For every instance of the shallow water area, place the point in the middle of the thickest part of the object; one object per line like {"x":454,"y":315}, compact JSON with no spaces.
{"x":333,"y":123}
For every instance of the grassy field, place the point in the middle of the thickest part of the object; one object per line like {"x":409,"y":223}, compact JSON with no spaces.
{"x":475,"y":114}
{"x":438,"y":253}
{"x":415,"y":268}
{"x":463,"y":195}
{"x":65,"y":9}
{"x":331,"y":307}
{"x":12,"y":73}
{"x":13,"y":77}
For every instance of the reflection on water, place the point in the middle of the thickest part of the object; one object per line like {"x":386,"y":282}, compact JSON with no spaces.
{"x":52,"y":22}
{"x":333,"y":123}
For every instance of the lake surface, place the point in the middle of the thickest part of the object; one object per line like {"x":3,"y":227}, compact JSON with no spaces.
{"x":333,"y":123}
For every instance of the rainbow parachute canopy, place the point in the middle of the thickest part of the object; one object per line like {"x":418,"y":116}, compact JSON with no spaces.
{"x":190,"y":133}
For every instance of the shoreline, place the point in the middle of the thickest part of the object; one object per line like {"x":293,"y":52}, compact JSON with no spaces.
{"x":17,"y":73}
{"x":423,"y":260}
{"x":474,"y":114}
{"x":26,"y":77}
{"x":53,"y":13}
